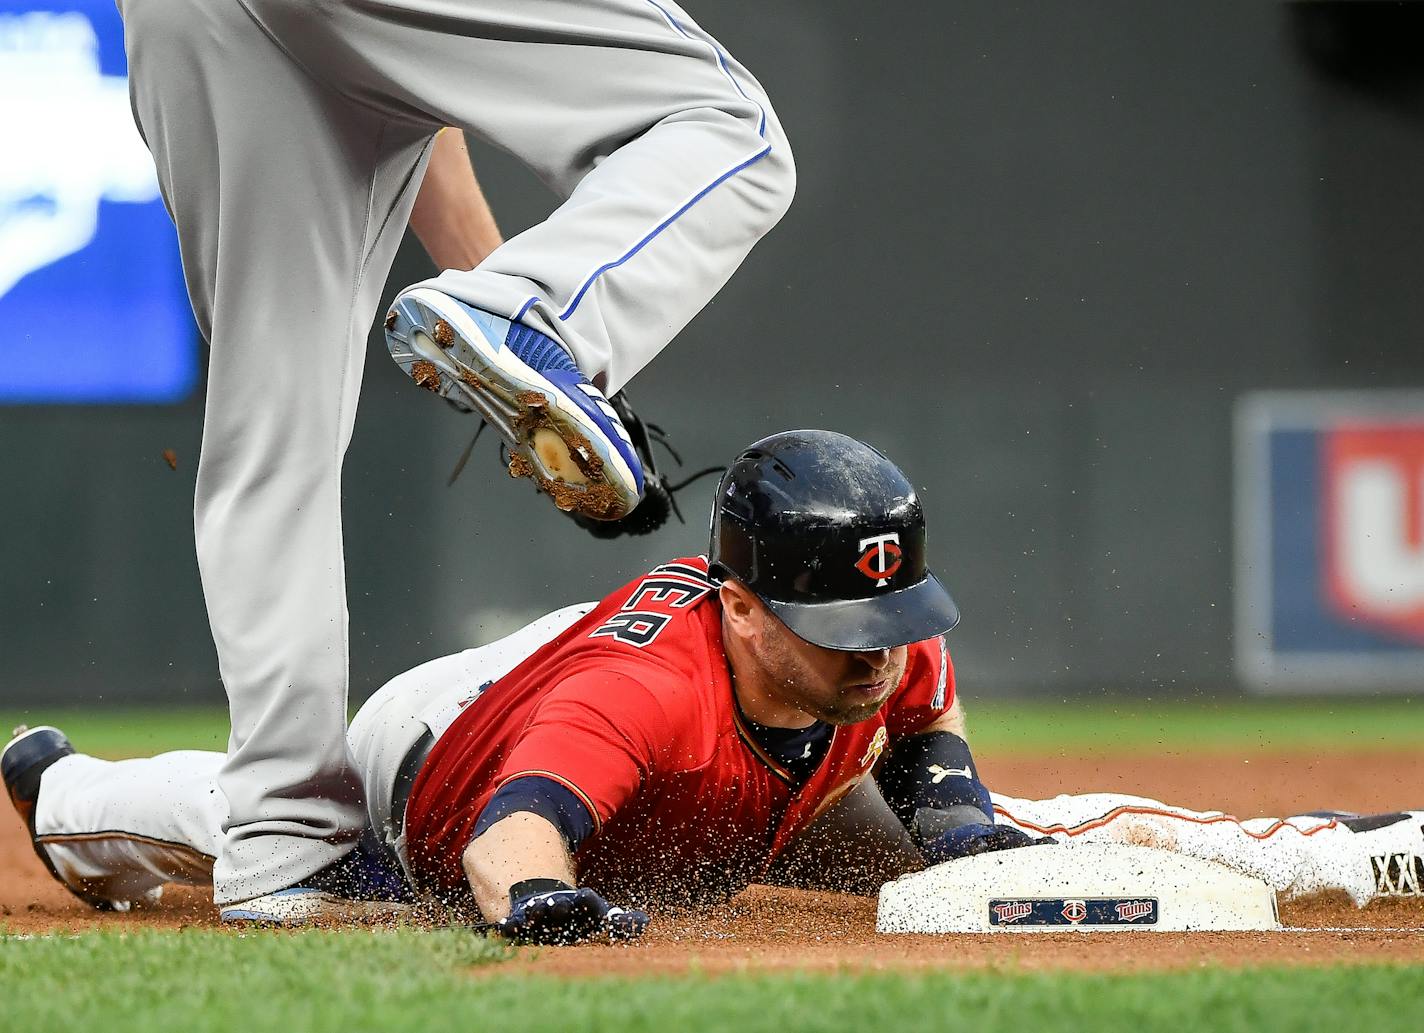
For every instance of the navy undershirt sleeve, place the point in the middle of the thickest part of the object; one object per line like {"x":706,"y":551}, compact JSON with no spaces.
{"x":553,"y":802}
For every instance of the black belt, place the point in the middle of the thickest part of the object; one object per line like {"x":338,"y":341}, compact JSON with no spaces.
{"x":405,"y":775}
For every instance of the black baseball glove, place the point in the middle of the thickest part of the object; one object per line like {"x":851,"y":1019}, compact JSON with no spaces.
{"x":944,"y":836}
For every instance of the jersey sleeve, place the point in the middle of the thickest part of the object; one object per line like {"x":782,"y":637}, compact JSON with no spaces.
{"x":601,"y":735}
{"x":926,"y":692}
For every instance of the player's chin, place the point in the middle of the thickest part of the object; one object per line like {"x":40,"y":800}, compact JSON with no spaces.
{"x":850,"y":716}
{"x":857,"y":703}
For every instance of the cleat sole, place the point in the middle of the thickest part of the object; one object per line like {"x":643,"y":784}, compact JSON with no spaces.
{"x":550,"y":443}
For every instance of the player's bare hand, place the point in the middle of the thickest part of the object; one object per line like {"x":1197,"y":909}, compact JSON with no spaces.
{"x":968,"y":840}
{"x":546,"y":911}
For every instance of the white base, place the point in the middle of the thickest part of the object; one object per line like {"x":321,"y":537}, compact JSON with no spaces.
{"x":1092,"y":887}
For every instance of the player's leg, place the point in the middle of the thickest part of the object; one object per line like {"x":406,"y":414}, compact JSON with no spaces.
{"x":392,"y":723}
{"x":1295,"y":856}
{"x":673,"y":164}
{"x":668,"y":152}
{"x":113,"y":832}
{"x":289,"y":201}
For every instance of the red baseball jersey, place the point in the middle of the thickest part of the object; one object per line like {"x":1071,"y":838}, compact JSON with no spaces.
{"x":631,"y":708}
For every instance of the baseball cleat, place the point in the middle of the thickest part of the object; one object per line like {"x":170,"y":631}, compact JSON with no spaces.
{"x":560,"y":430}
{"x":23,"y":762}
{"x":659,"y":493}
{"x":305,"y":905}
{"x":26,"y":757}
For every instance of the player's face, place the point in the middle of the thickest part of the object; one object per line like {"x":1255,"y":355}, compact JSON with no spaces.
{"x":832,"y":685}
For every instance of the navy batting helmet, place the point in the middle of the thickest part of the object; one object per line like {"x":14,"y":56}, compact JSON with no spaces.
{"x":830,"y":535}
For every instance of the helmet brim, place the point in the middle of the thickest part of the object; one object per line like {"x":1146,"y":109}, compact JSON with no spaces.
{"x":895,"y":619}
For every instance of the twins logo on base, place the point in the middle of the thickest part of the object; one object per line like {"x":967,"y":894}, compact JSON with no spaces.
{"x":1077,"y":911}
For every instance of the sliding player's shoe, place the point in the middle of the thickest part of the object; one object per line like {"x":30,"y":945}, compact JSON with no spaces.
{"x":26,"y":757}
{"x":362,"y":887}
{"x":307,"y":905}
{"x":560,"y":429}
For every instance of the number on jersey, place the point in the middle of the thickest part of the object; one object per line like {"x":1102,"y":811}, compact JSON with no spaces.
{"x":671,"y":587}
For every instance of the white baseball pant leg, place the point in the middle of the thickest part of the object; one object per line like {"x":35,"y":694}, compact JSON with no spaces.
{"x":1296,"y":856}
{"x":122,"y":829}
{"x":289,"y":137}
{"x":668,"y":152}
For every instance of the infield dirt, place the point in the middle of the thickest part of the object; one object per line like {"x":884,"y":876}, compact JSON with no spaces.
{"x":769,"y":929}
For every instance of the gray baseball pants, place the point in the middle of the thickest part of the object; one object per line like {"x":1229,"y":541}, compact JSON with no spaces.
{"x":290,"y":138}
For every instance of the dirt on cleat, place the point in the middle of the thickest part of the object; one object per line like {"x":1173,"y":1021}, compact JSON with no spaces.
{"x":594,"y":500}
{"x":444,"y":334}
{"x":426,"y":374}
{"x":391,"y":319}
{"x":532,"y":405}
{"x":598,"y":501}
{"x":557,"y":446}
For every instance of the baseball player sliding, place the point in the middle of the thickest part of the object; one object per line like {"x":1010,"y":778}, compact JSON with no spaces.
{"x":290,"y":139}
{"x":711,"y":724}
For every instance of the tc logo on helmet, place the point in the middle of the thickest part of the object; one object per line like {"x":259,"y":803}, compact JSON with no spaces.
{"x":880,"y":557}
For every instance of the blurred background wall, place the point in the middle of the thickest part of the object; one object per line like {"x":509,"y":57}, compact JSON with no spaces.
{"x":1038,"y":255}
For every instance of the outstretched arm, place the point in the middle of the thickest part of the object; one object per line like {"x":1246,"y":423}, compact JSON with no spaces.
{"x":931,"y":782}
{"x":522,"y":875}
{"x":514,"y":849}
{"x":451,"y":217}
{"x":587,"y":749}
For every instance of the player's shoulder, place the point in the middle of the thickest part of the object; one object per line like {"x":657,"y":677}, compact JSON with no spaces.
{"x":929,"y":674}
{"x":930,"y":654}
{"x":660,"y":615}
{"x":658,"y":638}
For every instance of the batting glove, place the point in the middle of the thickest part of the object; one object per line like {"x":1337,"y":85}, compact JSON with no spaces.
{"x":547,"y":911}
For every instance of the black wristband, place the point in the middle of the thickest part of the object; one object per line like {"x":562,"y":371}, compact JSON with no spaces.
{"x":533,"y":887}
{"x":934,"y":770}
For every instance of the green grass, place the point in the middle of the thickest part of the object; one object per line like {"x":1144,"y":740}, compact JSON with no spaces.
{"x":116,"y":732}
{"x":1117,"y":726}
{"x":196,"y":981}
{"x":1137,"y":726}
{"x":200,"y":980}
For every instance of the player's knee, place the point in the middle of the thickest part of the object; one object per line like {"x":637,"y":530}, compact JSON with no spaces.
{"x":780,"y":175}
{"x":775,"y":171}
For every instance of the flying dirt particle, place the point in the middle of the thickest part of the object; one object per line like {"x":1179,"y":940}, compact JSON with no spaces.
{"x":171,"y":458}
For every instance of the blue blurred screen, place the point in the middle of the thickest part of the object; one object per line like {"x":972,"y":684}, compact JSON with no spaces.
{"x":92,"y":303}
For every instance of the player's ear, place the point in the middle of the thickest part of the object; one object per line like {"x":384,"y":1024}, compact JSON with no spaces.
{"x":740,"y":606}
